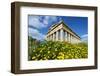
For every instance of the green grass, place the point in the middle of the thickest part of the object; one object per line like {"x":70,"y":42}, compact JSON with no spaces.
{"x":55,"y":50}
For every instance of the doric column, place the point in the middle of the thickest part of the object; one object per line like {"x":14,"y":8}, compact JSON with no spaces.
{"x":66,"y":36}
{"x":61,"y":35}
{"x":53,"y":36}
{"x":75,"y":40}
{"x":56,"y":35}
{"x":49,"y":37}
{"x":69,"y":37}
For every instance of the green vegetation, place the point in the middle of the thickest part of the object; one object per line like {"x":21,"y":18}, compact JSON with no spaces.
{"x":50,"y":50}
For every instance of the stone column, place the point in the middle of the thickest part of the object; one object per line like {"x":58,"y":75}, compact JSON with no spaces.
{"x":53,"y":36}
{"x":49,"y":37}
{"x":75,"y":40}
{"x":66,"y":36}
{"x":69,"y":37}
{"x":56,"y":35}
{"x":61,"y":35}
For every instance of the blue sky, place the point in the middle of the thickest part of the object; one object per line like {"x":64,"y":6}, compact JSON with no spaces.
{"x":38,"y":25}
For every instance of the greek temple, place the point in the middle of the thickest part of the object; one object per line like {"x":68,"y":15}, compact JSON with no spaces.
{"x":61,"y":32}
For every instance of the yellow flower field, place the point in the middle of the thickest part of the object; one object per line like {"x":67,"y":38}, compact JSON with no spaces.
{"x":51,"y":50}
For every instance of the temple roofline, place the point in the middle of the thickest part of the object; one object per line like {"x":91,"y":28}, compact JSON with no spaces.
{"x":61,"y":22}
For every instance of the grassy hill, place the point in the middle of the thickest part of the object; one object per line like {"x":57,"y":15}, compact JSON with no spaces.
{"x":50,"y":50}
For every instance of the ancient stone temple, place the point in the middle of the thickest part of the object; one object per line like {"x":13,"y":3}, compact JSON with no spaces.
{"x":61,"y":32}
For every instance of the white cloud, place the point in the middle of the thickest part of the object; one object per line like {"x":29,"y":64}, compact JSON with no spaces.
{"x":36,"y":34}
{"x":35,"y":22}
{"x":84,"y":37}
{"x":41,"y":21}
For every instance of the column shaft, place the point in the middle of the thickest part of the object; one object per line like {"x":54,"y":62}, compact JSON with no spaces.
{"x":56,"y":35}
{"x":69,"y":37}
{"x":53,"y":36}
{"x":66,"y":36}
{"x":61,"y":35}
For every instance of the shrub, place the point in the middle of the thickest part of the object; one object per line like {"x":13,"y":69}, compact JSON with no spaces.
{"x":50,"y":50}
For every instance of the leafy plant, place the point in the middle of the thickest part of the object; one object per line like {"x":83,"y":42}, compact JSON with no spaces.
{"x":50,"y":50}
